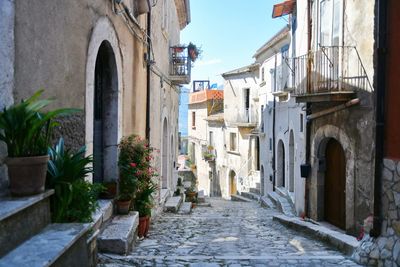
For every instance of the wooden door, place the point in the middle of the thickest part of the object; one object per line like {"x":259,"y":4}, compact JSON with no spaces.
{"x":335,"y":180}
{"x":232,"y":178}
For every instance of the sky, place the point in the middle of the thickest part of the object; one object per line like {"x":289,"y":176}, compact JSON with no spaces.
{"x":229,"y":32}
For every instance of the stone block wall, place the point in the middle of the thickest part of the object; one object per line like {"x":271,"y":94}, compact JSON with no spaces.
{"x":385,"y":250}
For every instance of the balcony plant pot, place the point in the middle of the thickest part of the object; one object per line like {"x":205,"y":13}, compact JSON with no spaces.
{"x":27,"y":175}
{"x":123,"y":206}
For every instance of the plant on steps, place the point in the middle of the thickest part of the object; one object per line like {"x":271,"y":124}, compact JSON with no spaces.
{"x":75,"y":199}
{"x":27,"y":131}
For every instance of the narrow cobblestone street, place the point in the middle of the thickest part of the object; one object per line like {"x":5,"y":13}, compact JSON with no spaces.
{"x":226,"y":234}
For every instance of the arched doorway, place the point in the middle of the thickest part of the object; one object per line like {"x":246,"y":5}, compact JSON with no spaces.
{"x":164,"y":168}
{"x":280,"y":170}
{"x":335,"y":184}
{"x":262,"y":182}
{"x":291,"y":162}
{"x":232,"y":183}
{"x":105,"y":121}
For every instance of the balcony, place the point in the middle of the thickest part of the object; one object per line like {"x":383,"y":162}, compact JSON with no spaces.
{"x":180,"y":65}
{"x":246,"y":119}
{"x":333,"y":73}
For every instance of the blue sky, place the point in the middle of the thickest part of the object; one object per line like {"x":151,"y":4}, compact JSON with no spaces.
{"x":229,"y":32}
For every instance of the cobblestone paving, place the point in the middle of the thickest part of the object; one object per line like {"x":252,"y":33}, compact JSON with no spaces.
{"x":227,"y":234}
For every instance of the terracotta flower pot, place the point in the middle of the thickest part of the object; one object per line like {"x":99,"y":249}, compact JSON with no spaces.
{"x":27,"y":175}
{"x":142,"y":226}
{"x":146,"y":231}
{"x":123,"y":206}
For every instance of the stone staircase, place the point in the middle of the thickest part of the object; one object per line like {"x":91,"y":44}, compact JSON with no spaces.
{"x":281,"y":202}
{"x":176,"y":204}
{"x":28,"y":238}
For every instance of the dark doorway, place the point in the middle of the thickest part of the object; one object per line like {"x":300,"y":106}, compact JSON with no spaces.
{"x":105,"y":128}
{"x":280,"y":171}
{"x":335,"y":180}
{"x":232,"y":183}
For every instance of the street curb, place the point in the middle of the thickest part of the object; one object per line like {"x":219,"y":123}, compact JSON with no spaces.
{"x":345,"y":243}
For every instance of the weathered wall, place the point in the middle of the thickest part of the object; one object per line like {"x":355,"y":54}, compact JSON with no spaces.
{"x":355,"y":133}
{"x":164,"y":99}
{"x":7,"y":15}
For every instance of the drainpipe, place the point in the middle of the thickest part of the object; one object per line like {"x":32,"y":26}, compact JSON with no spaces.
{"x":273,"y":133}
{"x":148,"y":74}
{"x":380,"y":113}
{"x":308,"y":112}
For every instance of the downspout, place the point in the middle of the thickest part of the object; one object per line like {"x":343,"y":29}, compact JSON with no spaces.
{"x":148,"y":66}
{"x":380,"y":113}
{"x":273,"y":135}
{"x":308,"y":112}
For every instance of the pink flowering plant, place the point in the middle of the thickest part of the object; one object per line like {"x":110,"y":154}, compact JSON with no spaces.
{"x":136,"y":172}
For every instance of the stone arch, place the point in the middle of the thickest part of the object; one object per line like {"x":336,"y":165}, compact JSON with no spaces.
{"x":291,"y":161}
{"x":104,"y":35}
{"x":164,"y":155}
{"x":280,"y":164}
{"x":318,"y":148}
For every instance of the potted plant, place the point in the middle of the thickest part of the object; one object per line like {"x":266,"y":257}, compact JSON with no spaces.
{"x":194,"y":51}
{"x":27,"y":131}
{"x":144,"y":204}
{"x":191,"y":193}
{"x":75,"y":199}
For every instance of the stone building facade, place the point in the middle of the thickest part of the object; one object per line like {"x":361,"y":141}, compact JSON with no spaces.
{"x":94,"y":55}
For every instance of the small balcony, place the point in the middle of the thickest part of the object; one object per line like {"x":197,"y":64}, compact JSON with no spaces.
{"x":282,"y":79}
{"x":246,"y":119}
{"x":329,"y":74}
{"x":180,"y":65}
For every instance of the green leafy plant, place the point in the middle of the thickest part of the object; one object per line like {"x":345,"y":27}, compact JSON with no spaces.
{"x":75,"y":199}
{"x":26,"y":129}
{"x":194,"y":51}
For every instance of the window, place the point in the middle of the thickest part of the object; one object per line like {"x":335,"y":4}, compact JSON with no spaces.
{"x":270,"y":144}
{"x":193,"y":120}
{"x":262,"y":118}
{"x":272,"y":73}
{"x":329,"y":20}
{"x":246,"y":94}
{"x":301,"y":122}
{"x":211,"y":139}
{"x":232,"y":142}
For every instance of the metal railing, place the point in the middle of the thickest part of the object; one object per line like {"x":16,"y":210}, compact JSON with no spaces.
{"x":247,"y":116}
{"x":180,"y":61}
{"x":330,"y":69}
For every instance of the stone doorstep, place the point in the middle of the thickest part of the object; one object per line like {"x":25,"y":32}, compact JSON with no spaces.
{"x":250,"y":195}
{"x":102,"y":214}
{"x":46,"y":247}
{"x":12,"y":205}
{"x":345,"y":243}
{"x":173,"y":204}
{"x":185,"y":208}
{"x":281,"y":203}
{"x":119,"y":235}
{"x":164,"y":194}
{"x":266,"y":202}
{"x":240,"y":198}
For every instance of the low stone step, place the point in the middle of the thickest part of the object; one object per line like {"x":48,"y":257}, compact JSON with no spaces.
{"x":119,"y":235}
{"x":103,"y":213}
{"x":345,"y":243}
{"x":239,"y":198}
{"x":255,"y":190}
{"x":173,"y":204}
{"x":21,"y":218}
{"x":250,"y":195}
{"x":267,"y":203}
{"x":185,"y":208}
{"x":281,"y":203}
{"x":56,"y":245}
{"x":164,"y":195}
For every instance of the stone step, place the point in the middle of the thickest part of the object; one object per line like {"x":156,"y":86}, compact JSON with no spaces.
{"x":250,"y":195}
{"x":255,"y":190}
{"x":267,"y":203}
{"x":201,"y":197}
{"x":119,"y":234}
{"x":56,"y":245}
{"x":240,"y":198}
{"x":281,"y":203}
{"x":173,"y":204}
{"x":21,"y":218}
{"x":164,"y":195}
{"x":185,"y":208}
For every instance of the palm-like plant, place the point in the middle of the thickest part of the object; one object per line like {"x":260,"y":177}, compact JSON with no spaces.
{"x":75,"y":198}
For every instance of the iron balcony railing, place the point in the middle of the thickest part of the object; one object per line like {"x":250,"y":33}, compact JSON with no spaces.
{"x":330,"y":69}
{"x":180,"y":66}
{"x":247,"y":116}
